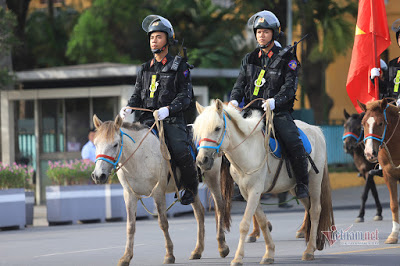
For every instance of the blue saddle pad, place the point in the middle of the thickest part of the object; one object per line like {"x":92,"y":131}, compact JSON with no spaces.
{"x":278,"y":152}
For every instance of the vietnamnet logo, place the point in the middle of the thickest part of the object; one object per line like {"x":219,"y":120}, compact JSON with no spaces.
{"x":348,"y":237}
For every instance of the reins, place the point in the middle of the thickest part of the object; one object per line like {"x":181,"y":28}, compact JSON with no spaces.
{"x":164,"y":151}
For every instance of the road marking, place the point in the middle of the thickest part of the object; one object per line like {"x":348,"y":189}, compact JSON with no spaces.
{"x":362,"y":250}
{"x":81,"y":251}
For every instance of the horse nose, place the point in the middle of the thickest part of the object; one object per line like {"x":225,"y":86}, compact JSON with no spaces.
{"x":374,"y":153}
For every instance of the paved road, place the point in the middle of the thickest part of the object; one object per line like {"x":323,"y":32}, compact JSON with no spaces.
{"x":103,"y":244}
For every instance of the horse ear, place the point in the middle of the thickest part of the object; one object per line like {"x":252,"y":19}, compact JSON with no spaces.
{"x":219,"y":105}
{"x":383,"y":103}
{"x":346,"y":114}
{"x":96,"y":121}
{"x":199,"y":107}
{"x":362,"y":106}
{"x":118,"y":121}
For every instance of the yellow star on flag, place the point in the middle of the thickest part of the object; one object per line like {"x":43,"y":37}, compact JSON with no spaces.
{"x":359,"y":31}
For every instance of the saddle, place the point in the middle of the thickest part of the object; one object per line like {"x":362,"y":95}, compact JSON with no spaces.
{"x":277,"y":152}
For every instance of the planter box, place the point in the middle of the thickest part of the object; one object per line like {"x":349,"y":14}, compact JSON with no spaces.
{"x":29,"y":202}
{"x":70,"y":204}
{"x":115,"y":204}
{"x":12,"y":208}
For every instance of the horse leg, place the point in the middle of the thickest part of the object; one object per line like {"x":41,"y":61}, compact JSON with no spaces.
{"x":394,"y":206}
{"x":364,"y":197}
{"x":215,"y":189}
{"x":131,"y":207}
{"x":256,"y":232}
{"x":314,"y":209}
{"x":159,"y":199}
{"x":253,"y":199}
{"x":378,"y":216}
{"x":268,"y":257}
{"x":199,"y":215}
{"x":301,"y":233}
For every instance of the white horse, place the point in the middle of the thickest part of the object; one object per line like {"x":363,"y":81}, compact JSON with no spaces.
{"x":146,"y":174}
{"x":221,"y":130}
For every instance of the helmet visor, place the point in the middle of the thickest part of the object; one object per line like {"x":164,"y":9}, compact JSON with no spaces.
{"x":396,"y":25}
{"x":268,"y":16}
{"x":150,"y":19}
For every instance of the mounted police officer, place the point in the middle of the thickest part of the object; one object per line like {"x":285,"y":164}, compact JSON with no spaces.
{"x":264,"y":73}
{"x":393,"y":82}
{"x":164,"y":84}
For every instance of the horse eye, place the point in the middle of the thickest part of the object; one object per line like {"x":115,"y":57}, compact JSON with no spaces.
{"x":115,"y":145}
{"x":217,"y":129}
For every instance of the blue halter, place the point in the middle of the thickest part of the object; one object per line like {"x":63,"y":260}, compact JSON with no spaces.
{"x":210,"y":140}
{"x":376,"y":137}
{"x":110,"y":159}
{"x":353,"y":135}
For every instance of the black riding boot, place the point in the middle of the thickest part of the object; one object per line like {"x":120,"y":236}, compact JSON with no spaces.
{"x":300,"y":168}
{"x":189,"y":181}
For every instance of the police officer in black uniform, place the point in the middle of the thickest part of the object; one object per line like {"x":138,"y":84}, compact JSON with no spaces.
{"x":265,"y":74}
{"x":164,"y":84}
{"x":393,"y":81}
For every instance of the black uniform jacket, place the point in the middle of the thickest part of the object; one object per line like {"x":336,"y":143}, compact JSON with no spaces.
{"x":172,"y":88}
{"x":280,"y":80}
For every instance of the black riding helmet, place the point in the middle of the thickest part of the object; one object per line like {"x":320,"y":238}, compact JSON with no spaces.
{"x":265,"y":20}
{"x":396,"y":28}
{"x":153,"y":23}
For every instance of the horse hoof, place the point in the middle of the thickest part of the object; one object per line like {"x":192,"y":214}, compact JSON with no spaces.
{"x":378,"y":218}
{"x":269,"y":226}
{"x":251,"y":239}
{"x":236,"y":263}
{"x":307,"y":256}
{"x":359,"y":220}
{"x":195,"y":256}
{"x":169,"y":260}
{"x":391,"y":240}
{"x":123,"y":263}
{"x":267,"y":261}
{"x":300,"y":234}
{"x":224,"y":252}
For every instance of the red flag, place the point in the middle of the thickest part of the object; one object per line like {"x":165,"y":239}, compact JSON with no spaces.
{"x":370,"y":24}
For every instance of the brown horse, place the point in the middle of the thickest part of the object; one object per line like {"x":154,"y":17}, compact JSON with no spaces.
{"x":382,"y":144}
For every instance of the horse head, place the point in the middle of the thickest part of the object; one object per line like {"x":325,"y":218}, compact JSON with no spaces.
{"x":353,"y":131}
{"x":375,"y":127}
{"x":108,"y":148}
{"x":209,"y":133}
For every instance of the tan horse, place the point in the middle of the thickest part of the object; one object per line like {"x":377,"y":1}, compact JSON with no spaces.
{"x":220,"y":130}
{"x":381,"y":124}
{"x":146,"y":174}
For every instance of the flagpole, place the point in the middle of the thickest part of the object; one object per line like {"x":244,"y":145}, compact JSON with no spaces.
{"x":376,"y":80}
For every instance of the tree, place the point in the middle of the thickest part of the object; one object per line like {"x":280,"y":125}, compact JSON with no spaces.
{"x":19,"y":51}
{"x":109,"y":31}
{"x":7,"y":40}
{"x":330,"y":35}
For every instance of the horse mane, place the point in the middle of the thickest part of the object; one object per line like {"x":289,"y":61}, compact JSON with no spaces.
{"x":209,"y":118}
{"x":107,"y":129}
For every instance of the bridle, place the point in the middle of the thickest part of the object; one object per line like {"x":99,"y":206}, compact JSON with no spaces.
{"x":110,"y":159}
{"x":353,"y":135}
{"x":377,"y":137}
{"x":216,"y":148}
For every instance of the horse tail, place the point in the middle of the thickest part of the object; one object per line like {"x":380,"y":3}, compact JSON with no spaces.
{"x":326,"y":220}
{"x":227,"y":191}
